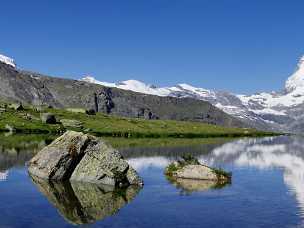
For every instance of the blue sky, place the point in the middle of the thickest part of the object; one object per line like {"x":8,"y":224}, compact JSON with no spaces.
{"x":241,"y":46}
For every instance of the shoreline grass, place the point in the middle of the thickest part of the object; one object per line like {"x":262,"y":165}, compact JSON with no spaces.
{"x":102,"y":125}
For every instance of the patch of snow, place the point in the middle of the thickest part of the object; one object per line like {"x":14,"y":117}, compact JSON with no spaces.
{"x":3,"y":175}
{"x":7,"y":60}
{"x":268,"y":111}
{"x":296,"y":80}
{"x":92,"y":80}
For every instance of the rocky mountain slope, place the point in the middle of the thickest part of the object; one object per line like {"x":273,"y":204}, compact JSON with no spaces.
{"x":37,"y":89}
{"x":277,"y":110}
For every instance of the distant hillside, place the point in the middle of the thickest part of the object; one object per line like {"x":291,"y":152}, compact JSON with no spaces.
{"x":281,"y":110}
{"x":36,"y":89}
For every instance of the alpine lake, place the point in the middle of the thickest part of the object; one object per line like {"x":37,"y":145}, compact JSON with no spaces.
{"x":267,"y":188}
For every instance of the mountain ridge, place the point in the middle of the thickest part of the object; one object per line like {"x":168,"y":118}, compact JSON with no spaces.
{"x":277,"y":110}
{"x":37,"y":89}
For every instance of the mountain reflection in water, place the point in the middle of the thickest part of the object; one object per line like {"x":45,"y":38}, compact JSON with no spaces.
{"x":286,"y":153}
{"x":83,"y":203}
{"x":16,"y":150}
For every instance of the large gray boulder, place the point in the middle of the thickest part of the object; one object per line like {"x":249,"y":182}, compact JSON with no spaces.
{"x":58,"y":160}
{"x":103,"y":164}
{"x":84,"y":158}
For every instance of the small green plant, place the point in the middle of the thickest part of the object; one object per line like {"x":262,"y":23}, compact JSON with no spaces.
{"x":171,"y":169}
{"x":189,"y":159}
{"x":220,"y":173}
{"x":186,"y":159}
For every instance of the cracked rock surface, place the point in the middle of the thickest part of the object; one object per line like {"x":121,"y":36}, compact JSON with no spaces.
{"x":84,"y":158}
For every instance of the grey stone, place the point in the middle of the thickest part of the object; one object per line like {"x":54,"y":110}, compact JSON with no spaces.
{"x":58,"y":160}
{"x":197,"y":172}
{"x":133,"y":177}
{"x":105,"y":165}
{"x":83,"y":158}
{"x":17,"y":107}
{"x":48,"y":118}
{"x":90,"y":112}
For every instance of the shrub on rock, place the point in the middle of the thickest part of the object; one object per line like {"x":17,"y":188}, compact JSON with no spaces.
{"x":190,"y":168}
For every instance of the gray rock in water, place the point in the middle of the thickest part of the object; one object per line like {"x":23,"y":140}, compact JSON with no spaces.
{"x":84,"y":158}
{"x":102,"y":164}
{"x":48,"y":118}
{"x":58,"y":160}
{"x":197,"y":172}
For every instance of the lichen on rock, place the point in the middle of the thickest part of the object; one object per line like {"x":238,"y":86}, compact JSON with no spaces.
{"x":84,"y":158}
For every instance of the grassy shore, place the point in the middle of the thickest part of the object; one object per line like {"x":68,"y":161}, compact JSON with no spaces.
{"x":28,"y":121}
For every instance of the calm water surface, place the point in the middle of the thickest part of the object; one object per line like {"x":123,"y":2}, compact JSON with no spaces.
{"x":267,"y":189}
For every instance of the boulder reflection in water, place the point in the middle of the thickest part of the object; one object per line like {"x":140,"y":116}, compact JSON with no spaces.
{"x":82,"y":203}
{"x":188,"y":186}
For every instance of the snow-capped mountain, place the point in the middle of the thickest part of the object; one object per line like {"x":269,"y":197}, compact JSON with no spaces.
{"x":276,"y":110}
{"x":7,"y":60}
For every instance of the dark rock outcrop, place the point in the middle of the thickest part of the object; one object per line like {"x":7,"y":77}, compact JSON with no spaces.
{"x":36,"y":89}
{"x":84,"y":158}
{"x":91,"y":112}
{"x":48,"y":118}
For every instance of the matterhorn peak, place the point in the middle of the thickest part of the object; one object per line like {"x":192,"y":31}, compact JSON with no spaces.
{"x":301,"y":62}
{"x":296,"y":80}
{"x":7,"y":60}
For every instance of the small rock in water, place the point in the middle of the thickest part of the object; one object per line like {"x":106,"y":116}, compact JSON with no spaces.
{"x":190,"y":176}
{"x":190,"y":168}
{"x":84,"y":158}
